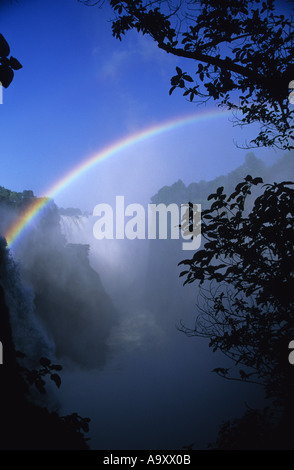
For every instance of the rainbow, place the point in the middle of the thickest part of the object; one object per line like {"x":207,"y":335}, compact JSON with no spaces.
{"x":18,"y":227}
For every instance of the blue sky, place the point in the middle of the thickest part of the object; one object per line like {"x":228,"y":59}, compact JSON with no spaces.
{"x":80,"y":90}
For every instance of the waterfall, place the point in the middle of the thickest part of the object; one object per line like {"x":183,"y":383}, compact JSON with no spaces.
{"x":28,"y":334}
{"x":74,"y":227}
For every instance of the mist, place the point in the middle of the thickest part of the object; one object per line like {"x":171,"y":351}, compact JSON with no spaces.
{"x":108,"y":311}
{"x":158,"y":391}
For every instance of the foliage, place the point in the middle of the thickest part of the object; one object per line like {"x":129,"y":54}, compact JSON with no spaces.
{"x":8,"y":65}
{"x":256,"y":430}
{"x":26,"y":425}
{"x":73,"y":422}
{"x":241,"y":51}
{"x":76,"y":422}
{"x":245,"y":273}
{"x":35,"y":376}
{"x":16,"y":199}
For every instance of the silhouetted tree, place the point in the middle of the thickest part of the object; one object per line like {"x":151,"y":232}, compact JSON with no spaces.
{"x":246,"y":289}
{"x":241,"y":53}
{"x":8,"y":65}
{"x":242,"y":56}
{"x":253,"y":431}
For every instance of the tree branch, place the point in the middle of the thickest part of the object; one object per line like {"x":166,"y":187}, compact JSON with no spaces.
{"x":226,"y":64}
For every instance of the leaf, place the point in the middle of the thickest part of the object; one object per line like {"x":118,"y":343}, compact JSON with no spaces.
{"x":185,"y":261}
{"x":199,"y":255}
{"x":6,"y":75}
{"x":56,"y":379}
{"x":14,"y":63}
{"x":4,"y":47}
{"x":211,"y":245}
{"x":239,"y":187}
{"x":171,"y":90}
{"x":188,"y":78}
{"x":221,"y":370}
{"x":219,"y":190}
{"x":257,"y":180}
{"x":243,"y":375}
{"x":183,"y":273}
{"x":248,"y":178}
{"x":45,"y":362}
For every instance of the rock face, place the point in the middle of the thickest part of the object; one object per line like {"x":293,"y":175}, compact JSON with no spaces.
{"x":73,"y":306}
{"x":25,"y":425}
{"x":69,"y":302}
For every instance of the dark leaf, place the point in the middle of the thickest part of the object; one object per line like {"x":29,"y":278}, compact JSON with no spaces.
{"x":221,"y":370}
{"x":14,"y":63}
{"x":6,"y":75}
{"x":171,"y":90}
{"x":45,"y":362}
{"x":188,"y":78}
{"x":183,"y":273}
{"x":219,"y":190}
{"x":4,"y":47}
{"x":185,"y":261}
{"x":56,"y":379}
